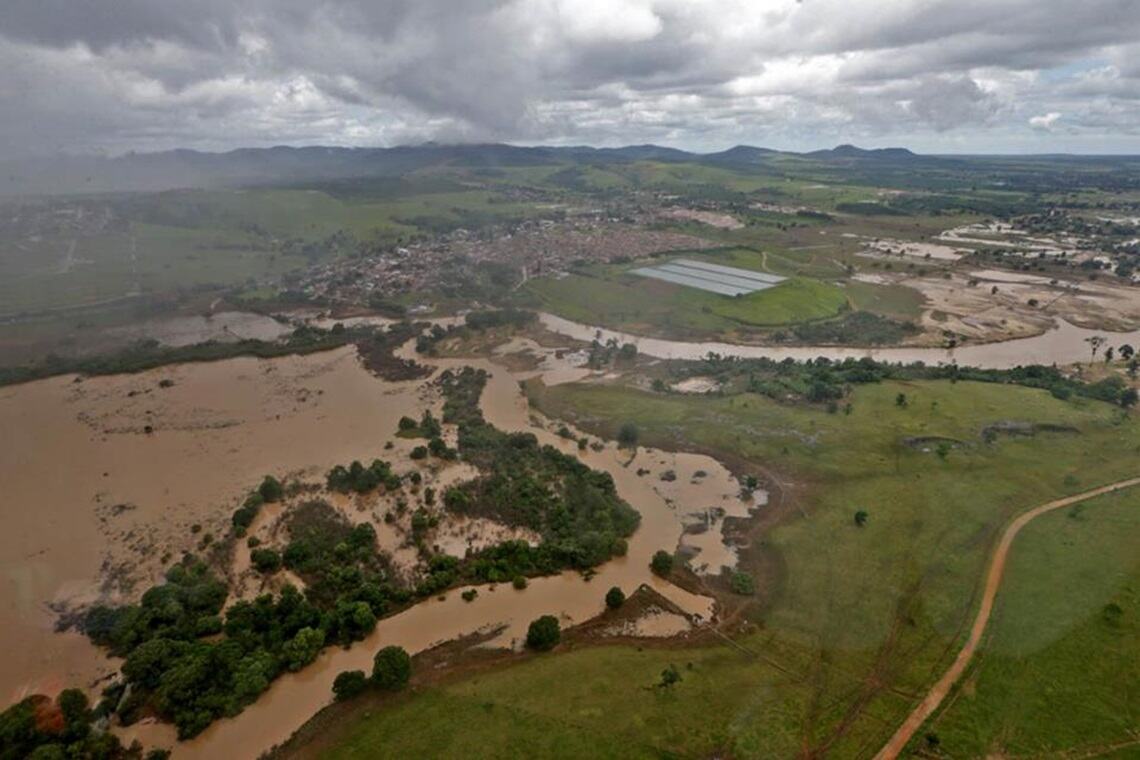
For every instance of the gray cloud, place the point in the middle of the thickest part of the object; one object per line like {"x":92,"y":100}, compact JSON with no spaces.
{"x":963,"y":75}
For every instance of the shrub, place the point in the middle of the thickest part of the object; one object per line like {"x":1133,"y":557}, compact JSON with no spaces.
{"x":628,"y":435}
{"x":391,"y":668}
{"x":742,"y":583}
{"x":469,"y":595}
{"x":615,"y":598}
{"x":544,"y":633}
{"x":349,"y":684}
{"x":662,"y":563}
{"x":303,"y":648}
{"x":265,"y":560}
{"x":419,"y":452}
{"x":270,"y":490}
{"x":519,"y":582}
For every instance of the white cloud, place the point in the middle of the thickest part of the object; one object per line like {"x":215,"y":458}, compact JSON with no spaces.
{"x":950,"y":74}
{"x":1045,"y":121}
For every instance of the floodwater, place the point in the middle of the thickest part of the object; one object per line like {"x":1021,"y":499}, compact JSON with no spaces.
{"x":1065,"y":344}
{"x":89,"y":494}
{"x":88,"y":490}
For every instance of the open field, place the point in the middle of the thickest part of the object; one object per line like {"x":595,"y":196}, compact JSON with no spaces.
{"x":854,"y":621}
{"x":610,"y":296}
{"x":1059,"y":670}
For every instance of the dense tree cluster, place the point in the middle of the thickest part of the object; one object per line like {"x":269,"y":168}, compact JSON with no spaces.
{"x":575,"y":509}
{"x":41,"y":728}
{"x":825,"y":381}
{"x":356,"y":477}
{"x":179,"y":667}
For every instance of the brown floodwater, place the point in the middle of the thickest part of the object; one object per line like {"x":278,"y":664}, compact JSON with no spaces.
{"x":294,"y":698}
{"x":88,"y":495}
{"x":1065,"y":344}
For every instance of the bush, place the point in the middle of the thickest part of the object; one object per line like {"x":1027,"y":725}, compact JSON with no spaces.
{"x":469,"y":595}
{"x":544,"y":633}
{"x":615,"y":598}
{"x":303,"y":648}
{"x":391,"y":668}
{"x":265,"y":560}
{"x":742,"y":583}
{"x":270,"y":490}
{"x":419,"y":452}
{"x":519,"y":582}
{"x":349,"y":684}
{"x":662,"y":563}
{"x":628,"y":435}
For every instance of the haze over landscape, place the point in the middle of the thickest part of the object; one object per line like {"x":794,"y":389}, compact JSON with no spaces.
{"x":552,"y":378}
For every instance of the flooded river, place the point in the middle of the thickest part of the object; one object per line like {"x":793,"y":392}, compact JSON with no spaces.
{"x":1063,"y":345}
{"x":88,"y":490}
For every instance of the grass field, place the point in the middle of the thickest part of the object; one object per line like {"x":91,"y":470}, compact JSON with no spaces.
{"x":856,"y":622}
{"x":1059,"y":670}
{"x":608,"y":295}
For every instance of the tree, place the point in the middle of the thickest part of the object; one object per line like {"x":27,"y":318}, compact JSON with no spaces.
{"x":1126,"y":351}
{"x":628,"y":352}
{"x":628,"y":435}
{"x":861,"y":517}
{"x":900,"y":400}
{"x":1108,"y":355}
{"x":270,"y":489}
{"x":265,"y":560}
{"x":405,"y":424}
{"x":391,"y":668}
{"x":1095,"y":342}
{"x":669,"y":677}
{"x":544,"y":633}
{"x":349,"y":683}
{"x":615,"y":598}
{"x":662,"y":563}
{"x":303,"y":648}
{"x":1129,"y":397}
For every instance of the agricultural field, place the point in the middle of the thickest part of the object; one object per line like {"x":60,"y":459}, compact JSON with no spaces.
{"x":613,"y":296}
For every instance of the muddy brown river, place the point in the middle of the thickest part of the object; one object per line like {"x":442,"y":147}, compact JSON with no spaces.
{"x":90,"y":495}
{"x":1065,"y":344}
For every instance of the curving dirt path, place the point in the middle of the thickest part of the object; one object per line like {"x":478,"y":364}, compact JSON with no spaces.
{"x":938,"y":692}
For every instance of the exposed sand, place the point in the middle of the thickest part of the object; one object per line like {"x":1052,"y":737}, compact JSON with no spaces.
{"x":224,"y":327}
{"x":696,"y":385}
{"x":711,"y":218}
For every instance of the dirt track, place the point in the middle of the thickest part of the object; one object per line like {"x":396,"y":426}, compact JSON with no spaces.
{"x":939,"y":691}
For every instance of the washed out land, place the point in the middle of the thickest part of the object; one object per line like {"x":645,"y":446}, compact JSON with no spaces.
{"x":418,"y":462}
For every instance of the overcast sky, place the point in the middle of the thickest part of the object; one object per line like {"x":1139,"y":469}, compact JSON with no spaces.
{"x":934,"y":75}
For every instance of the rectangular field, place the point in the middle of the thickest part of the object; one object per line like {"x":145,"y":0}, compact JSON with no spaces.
{"x":714,"y":278}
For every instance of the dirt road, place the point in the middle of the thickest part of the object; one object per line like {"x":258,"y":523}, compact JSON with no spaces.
{"x":939,"y":691}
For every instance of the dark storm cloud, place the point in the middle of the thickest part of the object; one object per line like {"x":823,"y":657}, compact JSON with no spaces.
{"x":141,"y":74}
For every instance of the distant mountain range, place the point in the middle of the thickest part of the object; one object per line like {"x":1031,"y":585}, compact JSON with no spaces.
{"x":259,"y":166}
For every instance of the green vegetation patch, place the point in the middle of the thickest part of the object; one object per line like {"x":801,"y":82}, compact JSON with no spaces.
{"x":797,"y":300}
{"x":1059,"y":671}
